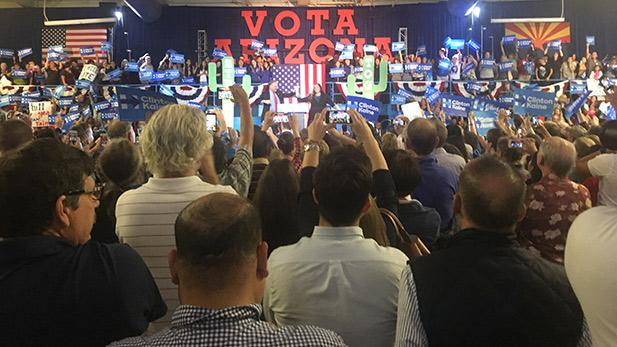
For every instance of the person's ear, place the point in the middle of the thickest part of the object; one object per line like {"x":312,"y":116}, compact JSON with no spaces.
{"x":172,"y":259}
{"x":540,"y":159}
{"x":407,"y":144}
{"x":315,"y":197}
{"x":262,"y":261}
{"x":522,"y":214}
{"x":62,"y":211}
{"x":366,"y":206}
{"x":456,"y":206}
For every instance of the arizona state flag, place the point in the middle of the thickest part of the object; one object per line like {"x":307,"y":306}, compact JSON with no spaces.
{"x":540,"y":33}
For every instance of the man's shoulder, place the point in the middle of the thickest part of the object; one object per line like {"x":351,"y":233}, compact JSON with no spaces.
{"x":308,"y":335}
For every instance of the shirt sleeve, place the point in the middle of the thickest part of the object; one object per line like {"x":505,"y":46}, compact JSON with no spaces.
{"x":585,"y":340}
{"x":601,"y":165}
{"x":297,"y":153}
{"x":409,"y":330}
{"x":240,"y":171}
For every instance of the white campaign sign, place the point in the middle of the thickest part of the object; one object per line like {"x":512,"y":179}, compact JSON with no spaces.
{"x":39,"y":113}
{"x":89,"y":72}
{"x":412,"y":110}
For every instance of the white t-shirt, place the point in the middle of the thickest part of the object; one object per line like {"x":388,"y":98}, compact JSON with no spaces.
{"x":145,"y":220}
{"x":604,"y":166}
{"x":590,"y":261}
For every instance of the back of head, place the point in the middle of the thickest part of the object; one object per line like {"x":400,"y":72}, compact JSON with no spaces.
{"x":286,"y":142}
{"x":442,"y":131}
{"x":553,"y":128}
{"x":83,"y":132}
{"x":32,"y":178}
{"x":262,"y":145}
{"x":484,"y":200}
{"x":404,"y":169}
{"x":342,"y":183}
{"x":121,"y":162}
{"x":389,"y":142}
{"x":217,"y":234}
{"x":47,"y":133}
{"x":608,"y":135}
{"x":14,"y":133}
{"x":583,"y":146}
{"x":421,"y":136}
{"x":493,"y":135}
{"x":175,"y":140}
{"x":511,"y":155}
{"x":574,"y":132}
{"x":119,"y":129}
{"x":559,"y":155}
{"x":219,"y":152}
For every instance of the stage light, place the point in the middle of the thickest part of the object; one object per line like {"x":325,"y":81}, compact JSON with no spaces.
{"x":118,"y":15}
{"x":472,"y":9}
{"x":476,"y":12}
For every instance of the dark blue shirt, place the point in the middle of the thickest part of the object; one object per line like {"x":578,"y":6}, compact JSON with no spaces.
{"x":437,"y":188}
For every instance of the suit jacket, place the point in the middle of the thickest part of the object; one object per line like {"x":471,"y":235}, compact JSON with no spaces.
{"x":266,"y":96}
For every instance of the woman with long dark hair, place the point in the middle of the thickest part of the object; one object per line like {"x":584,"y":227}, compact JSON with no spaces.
{"x":318,"y":99}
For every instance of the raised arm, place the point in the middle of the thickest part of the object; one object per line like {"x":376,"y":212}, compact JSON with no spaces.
{"x":246,"y":119}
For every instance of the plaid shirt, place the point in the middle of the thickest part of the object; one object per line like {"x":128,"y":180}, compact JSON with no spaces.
{"x":238,"y":174}
{"x":234,"y":326}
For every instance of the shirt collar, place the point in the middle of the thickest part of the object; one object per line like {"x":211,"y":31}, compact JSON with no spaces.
{"x":174,"y":184}
{"x":439,"y":151}
{"x":257,"y":161}
{"x":187,"y":314}
{"x":428,"y":159}
{"x":338,"y":232}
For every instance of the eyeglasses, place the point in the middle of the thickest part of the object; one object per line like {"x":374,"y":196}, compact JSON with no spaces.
{"x":96,"y":192}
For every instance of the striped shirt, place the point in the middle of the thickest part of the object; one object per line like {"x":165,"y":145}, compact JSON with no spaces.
{"x":145,"y":220}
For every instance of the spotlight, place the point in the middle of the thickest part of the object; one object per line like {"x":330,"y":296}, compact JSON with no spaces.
{"x":472,"y":8}
{"x":476,"y":12}
{"x":118,"y":15}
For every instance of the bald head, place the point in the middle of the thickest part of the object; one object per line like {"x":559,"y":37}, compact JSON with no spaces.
{"x":119,"y":130}
{"x":421,"y":136}
{"x":557,"y":155}
{"x":484,"y":202}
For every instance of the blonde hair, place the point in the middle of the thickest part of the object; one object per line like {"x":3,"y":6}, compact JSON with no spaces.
{"x":389,"y":141}
{"x":175,"y":139}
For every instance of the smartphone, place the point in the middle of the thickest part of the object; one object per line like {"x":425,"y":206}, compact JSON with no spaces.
{"x":534,"y":120}
{"x":210,"y":121}
{"x":281,"y":118}
{"x":515,"y":144}
{"x":398,"y":122}
{"x":104,"y":139}
{"x":72,"y":137}
{"x":338,"y":117}
{"x":225,"y":94}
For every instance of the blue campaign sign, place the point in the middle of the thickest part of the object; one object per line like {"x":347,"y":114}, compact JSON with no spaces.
{"x":368,"y":108}
{"x":358,"y":69}
{"x":509,"y":39}
{"x":337,"y":72}
{"x":349,"y":47}
{"x":405,"y":93}
{"x":239,"y":71}
{"x":86,"y":112}
{"x":188,"y":80}
{"x":444,"y":64}
{"x":457,"y":44}
{"x":398,"y":46}
{"x":114,"y":101}
{"x":138,"y":105}
{"x":83,"y":84}
{"x":57,"y":48}
{"x":468,"y":68}
{"x":86,"y":50}
{"x":524,"y":43}
{"x":455,"y":105}
{"x":108,"y":115}
{"x":103,"y":105}
{"x":347,"y":54}
{"x":396,"y":68}
{"x":446,"y":42}
{"x":171,"y":74}
{"x":106,"y":46}
{"x":370,"y":48}
{"x":270,"y":52}
{"x":257,"y":45}
{"x":591,"y":40}
{"x":432,"y":94}
{"x":507,"y":66}
{"x":219,"y":53}
{"x":114,"y":74}
{"x":577,"y":88}
{"x":529,"y":68}
{"x":339,"y":46}
{"x":6,"y":100}
{"x":145,"y":76}
{"x":58,"y":91}
{"x":27,"y":98}
{"x":422,"y":50}
{"x":54,"y":56}
{"x":159,"y":76}
{"x":507,"y":100}
{"x":425,"y":67}
{"x":610,"y":114}
{"x":176,"y":58}
{"x":165,"y":90}
{"x":411,"y":67}
{"x":132,"y":67}
{"x":484,"y":121}
{"x":573,"y":107}
{"x":533,"y":102}
{"x":554,"y":44}
{"x":171,"y":51}
{"x":24,"y":52}
{"x":19,"y":73}
{"x":473,"y":45}
{"x":74,"y":108}
{"x":397,"y":99}
{"x":474,"y":87}
{"x":7,"y":53}
{"x":65,"y":102}
{"x":487,"y":63}
{"x":480,"y":104}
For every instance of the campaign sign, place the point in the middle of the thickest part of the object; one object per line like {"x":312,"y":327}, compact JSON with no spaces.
{"x":591,"y":40}
{"x":74,"y":108}
{"x":422,"y":50}
{"x":473,"y":45}
{"x":39,"y":113}
{"x":468,"y":68}
{"x":487,"y":63}
{"x":398,"y":46}
{"x":239,"y":71}
{"x":270,"y":52}
{"x":507,"y":66}
{"x":6,"y":100}
{"x":397,"y":99}
{"x":89,"y":72}
{"x":573,"y":107}
{"x":70,"y":118}
{"x":27,"y":98}
{"x":370,"y":48}
{"x":337,"y":72}
{"x":159,"y":76}
{"x":339,"y":46}
{"x":139,"y":105}
{"x":20,"y":73}
{"x":358,"y":70}
{"x":219,"y":53}
{"x":577,"y":88}
{"x":165,"y":90}
{"x":54,"y":56}
{"x":425,"y":67}
{"x":611,"y":113}
{"x":455,"y":105}
{"x":7,"y":53}
{"x":188,"y":80}
{"x":529,"y":68}
{"x":347,"y":54}
{"x":446,"y":42}
{"x":524,"y":43}
{"x":480,"y":104}
{"x":444,"y":64}
{"x":368,"y":108}
{"x":176,"y":58}
{"x":554,"y":44}
{"x":396,"y":68}
{"x":405,"y":93}
{"x":533,"y":102}
{"x":114,"y":101}
{"x":457,"y":44}
{"x":114,"y":74}
{"x":108,"y":115}
{"x":65,"y":102}
{"x":145,"y":76}
{"x":56,"y":48}
{"x":256,"y":45}
{"x":432,"y":94}
{"x":171,"y":51}
{"x":485,"y":121}
{"x":103,"y":105}
{"x":106,"y":46}
{"x":411,"y":67}
{"x":474,"y":87}
{"x":509,"y":39}
{"x":507,"y":100}
{"x":170,"y":74}
{"x":86,"y":112}
{"x":86,"y":50}
{"x":58,"y":91}
{"x":131,"y":67}
{"x":83,"y":84}
{"x":24,"y":52}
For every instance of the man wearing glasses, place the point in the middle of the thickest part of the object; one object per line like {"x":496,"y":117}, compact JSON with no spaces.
{"x":58,"y":287}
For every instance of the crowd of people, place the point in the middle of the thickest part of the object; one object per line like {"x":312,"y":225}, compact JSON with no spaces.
{"x":164,"y":233}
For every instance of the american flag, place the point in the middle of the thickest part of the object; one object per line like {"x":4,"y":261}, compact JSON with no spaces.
{"x":72,"y":39}
{"x":303,"y":75}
